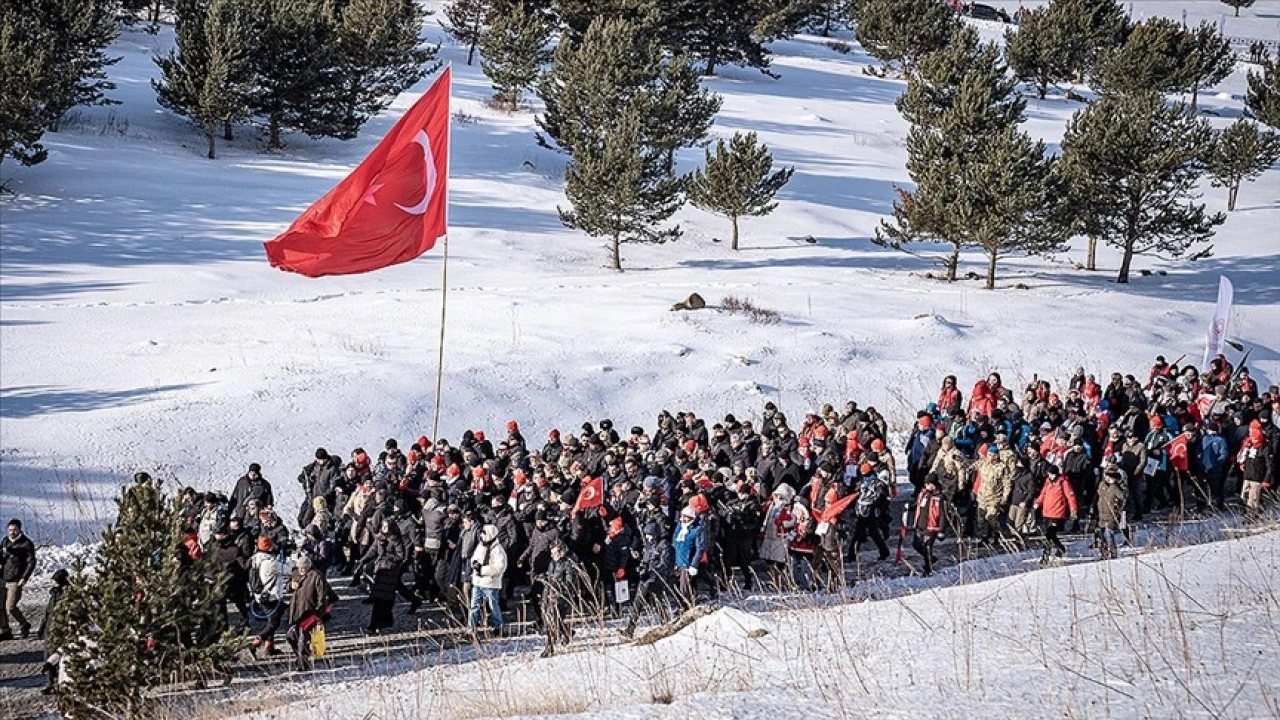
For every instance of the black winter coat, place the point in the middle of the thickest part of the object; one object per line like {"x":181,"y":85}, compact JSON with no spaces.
{"x":537,"y":557}
{"x":18,"y":557}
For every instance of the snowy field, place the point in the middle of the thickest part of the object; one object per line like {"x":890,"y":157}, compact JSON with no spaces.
{"x":142,"y":328}
{"x":1189,"y":633}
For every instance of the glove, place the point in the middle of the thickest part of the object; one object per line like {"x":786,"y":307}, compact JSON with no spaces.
{"x":693,"y":572}
{"x":475,"y":567}
{"x":619,"y":573}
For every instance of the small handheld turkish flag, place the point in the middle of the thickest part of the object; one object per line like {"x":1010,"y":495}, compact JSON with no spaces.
{"x":389,"y":210}
{"x":591,"y":495}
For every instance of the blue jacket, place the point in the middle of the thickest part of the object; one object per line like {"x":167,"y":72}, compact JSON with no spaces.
{"x":690,"y":544}
{"x":1213,"y":452}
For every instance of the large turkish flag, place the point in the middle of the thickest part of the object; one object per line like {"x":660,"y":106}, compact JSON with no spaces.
{"x":389,"y":210}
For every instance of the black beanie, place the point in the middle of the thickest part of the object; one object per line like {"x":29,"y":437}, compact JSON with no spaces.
{"x":322,"y":454}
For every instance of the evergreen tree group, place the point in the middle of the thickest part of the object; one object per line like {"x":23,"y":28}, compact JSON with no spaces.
{"x":620,"y":108}
{"x":513,"y":53}
{"x":321,"y":67}
{"x":1133,"y":162}
{"x":1240,"y":153}
{"x":145,"y":614}
{"x":52,"y":58}
{"x":980,"y":182}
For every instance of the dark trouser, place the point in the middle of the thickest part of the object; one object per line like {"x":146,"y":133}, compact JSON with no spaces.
{"x":268,"y":633}
{"x":923,"y":544}
{"x":863,"y":527}
{"x":916,"y":476}
{"x":425,"y":571}
{"x":1051,"y":529}
{"x":301,"y":641}
{"x":737,"y":554}
{"x":828,"y":567}
{"x":652,"y":594}
{"x":555,"y":619}
{"x":1216,"y":479}
{"x":382,"y":616}
{"x":1157,"y":490}
{"x":241,"y":600}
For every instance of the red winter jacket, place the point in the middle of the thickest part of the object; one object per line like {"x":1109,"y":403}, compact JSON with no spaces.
{"x":1057,"y":499}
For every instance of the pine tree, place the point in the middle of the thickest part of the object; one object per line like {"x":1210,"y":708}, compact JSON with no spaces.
{"x":1038,"y":51}
{"x":1241,"y":153}
{"x":1237,"y":4}
{"x":620,"y":188}
{"x":468,"y":21}
{"x":293,"y":63}
{"x":718,"y":32}
{"x":1088,"y":28}
{"x":619,"y":64}
{"x":737,"y":181}
{"x":1211,"y":61}
{"x":143,"y":616}
{"x":26,"y":63}
{"x":207,"y":76}
{"x":1263,"y":96}
{"x":1009,"y":200}
{"x":82,"y":32}
{"x":514,"y":52}
{"x":1133,"y":162}
{"x":376,"y":56}
{"x":900,"y":32}
{"x":959,"y":102}
{"x":1154,"y":57}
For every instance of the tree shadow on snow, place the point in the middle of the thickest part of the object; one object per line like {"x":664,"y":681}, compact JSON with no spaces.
{"x":27,"y":401}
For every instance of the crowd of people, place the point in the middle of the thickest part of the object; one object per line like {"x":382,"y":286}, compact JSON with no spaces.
{"x":636,"y":521}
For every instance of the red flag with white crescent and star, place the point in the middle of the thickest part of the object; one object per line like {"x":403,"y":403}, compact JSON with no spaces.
{"x":389,"y":210}
{"x":591,"y":495}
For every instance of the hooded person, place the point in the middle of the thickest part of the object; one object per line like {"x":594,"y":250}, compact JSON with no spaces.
{"x":563,"y":581}
{"x":689,"y":548}
{"x":488,"y":565}
{"x":312,"y":600}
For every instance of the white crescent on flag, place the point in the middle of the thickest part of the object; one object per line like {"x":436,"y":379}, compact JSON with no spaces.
{"x":422,"y":139}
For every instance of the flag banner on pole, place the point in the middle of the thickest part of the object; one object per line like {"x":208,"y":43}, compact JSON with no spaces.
{"x":1218,"y":328}
{"x":591,"y":495}
{"x":389,"y":210}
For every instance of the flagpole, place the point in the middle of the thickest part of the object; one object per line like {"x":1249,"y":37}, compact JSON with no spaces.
{"x":444,"y":264}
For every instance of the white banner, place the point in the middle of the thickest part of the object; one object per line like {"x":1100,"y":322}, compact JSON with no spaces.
{"x":1218,"y":328}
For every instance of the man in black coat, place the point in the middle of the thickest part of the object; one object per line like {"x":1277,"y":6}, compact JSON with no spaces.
{"x":251,"y":486}
{"x":18,"y":559}
{"x":320,"y":478}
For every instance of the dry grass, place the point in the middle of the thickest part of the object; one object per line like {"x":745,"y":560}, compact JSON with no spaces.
{"x":735,"y":305}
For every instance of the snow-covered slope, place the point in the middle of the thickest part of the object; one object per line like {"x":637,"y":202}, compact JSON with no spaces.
{"x":1192,"y":632}
{"x":141,"y":327}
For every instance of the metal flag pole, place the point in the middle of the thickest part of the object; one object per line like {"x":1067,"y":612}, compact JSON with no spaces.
{"x":444,"y":265}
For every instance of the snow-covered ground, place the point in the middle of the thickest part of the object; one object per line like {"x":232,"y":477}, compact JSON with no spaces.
{"x":142,"y":328}
{"x":1189,"y":632}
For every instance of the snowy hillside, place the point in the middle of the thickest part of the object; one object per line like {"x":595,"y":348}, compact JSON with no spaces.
{"x":141,"y":326}
{"x":1189,"y":632}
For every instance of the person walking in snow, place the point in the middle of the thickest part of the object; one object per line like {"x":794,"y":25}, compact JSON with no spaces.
{"x":928,"y":523}
{"x":488,"y":565}
{"x":1113,"y":493}
{"x":1056,"y":503}
{"x":689,"y":546}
